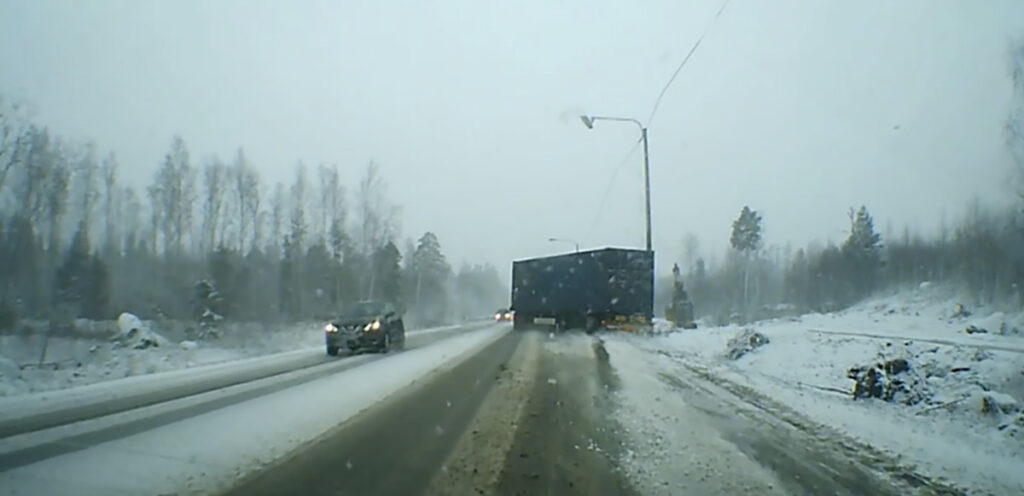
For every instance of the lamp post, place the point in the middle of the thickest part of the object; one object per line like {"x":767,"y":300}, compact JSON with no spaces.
{"x":588,"y":120}
{"x":566,"y":241}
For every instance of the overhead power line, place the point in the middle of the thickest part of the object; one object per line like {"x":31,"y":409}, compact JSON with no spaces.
{"x":685,"y":59}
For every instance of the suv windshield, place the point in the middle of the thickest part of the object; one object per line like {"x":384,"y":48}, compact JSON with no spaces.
{"x":365,"y":309}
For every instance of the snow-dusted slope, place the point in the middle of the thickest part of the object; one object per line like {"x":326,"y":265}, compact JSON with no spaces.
{"x":74,"y":363}
{"x":965,"y":424}
{"x":208,"y":453}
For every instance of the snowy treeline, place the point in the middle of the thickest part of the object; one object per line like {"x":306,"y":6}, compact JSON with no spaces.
{"x":981,"y":252}
{"x":208,"y":239}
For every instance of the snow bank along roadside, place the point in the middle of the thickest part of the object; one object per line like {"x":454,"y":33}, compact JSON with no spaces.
{"x":164,"y":363}
{"x":166,"y":385}
{"x":207,"y":453}
{"x":81,"y":360}
{"x":107,"y":353}
{"x":954,"y":413}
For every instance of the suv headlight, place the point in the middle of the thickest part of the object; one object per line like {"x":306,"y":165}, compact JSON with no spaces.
{"x":372,"y":326}
{"x":330,"y":328}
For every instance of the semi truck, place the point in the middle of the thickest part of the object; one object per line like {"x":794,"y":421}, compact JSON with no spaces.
{"x":603,"y":288}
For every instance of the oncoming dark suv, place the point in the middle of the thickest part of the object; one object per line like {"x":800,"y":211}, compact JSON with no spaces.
{"x":372,"y":325}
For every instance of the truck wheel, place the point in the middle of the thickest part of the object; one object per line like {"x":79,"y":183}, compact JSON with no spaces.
{"x":332,"y":350}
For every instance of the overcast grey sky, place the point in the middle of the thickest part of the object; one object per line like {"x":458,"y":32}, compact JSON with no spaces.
{"x":799,"y":109}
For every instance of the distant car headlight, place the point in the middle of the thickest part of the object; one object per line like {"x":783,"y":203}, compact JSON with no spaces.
{"x":497,"y":316}
{"x":330,"y":328}
{"x":372,"y":326}
{"x":508,"y":316}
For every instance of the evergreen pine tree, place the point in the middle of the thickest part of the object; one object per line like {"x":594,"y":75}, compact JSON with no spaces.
{"x":287,"y":290}
{"x":317,"y":269}
{"x":746,"y":239}
{"x":96,"y":300}
{"x":223,"y":269}
{"x":72,"y":277}
{"x":388,"y":273}
{"x":431,"y":276}
{"x":862,"y":251}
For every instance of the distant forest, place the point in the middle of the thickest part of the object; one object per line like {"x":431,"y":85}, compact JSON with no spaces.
{"x":982,"y":253}
{"x":208,"y":241}
{"x":213,"y":241}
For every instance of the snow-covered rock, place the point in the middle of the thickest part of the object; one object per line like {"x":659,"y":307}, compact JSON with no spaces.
{"x":662,"y":326}
{"x":744,"y":342}
{"x":188,"y":345}
{"x":129,"y":324}
{"x":136,"y":334}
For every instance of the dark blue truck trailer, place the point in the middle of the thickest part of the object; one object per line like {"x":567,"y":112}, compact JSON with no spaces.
{"x":610,"y":287}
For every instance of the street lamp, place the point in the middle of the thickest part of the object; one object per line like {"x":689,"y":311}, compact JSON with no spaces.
{"x":566,"y":241}
{"x":588,"y":120}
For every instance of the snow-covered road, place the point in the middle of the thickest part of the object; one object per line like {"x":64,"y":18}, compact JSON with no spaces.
{"x":163,"y":448}
{"x":33,"y":412}
{"x":490,"y":411}
{"x":571,"y":414}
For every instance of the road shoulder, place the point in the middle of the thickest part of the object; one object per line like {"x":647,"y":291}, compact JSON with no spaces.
{"x":759,"y":436}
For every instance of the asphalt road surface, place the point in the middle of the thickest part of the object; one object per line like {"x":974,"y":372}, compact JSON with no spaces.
{"x":412,"y":443}
{"x":534,"y":414}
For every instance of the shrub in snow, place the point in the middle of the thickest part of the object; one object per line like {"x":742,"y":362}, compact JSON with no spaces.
{"x":973,"y":329}
{"x":1014,"y":427}
{"x":208,"y":301}
{"x":994,"y":403}
{"x":145,"y":341}
{"x":887,"y":381}
{"x":959,"y":311}
{"x":980,"y":354}
{"x":743,"y":343}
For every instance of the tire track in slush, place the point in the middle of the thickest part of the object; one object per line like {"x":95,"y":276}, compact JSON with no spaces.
{"x":567,"y":442}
